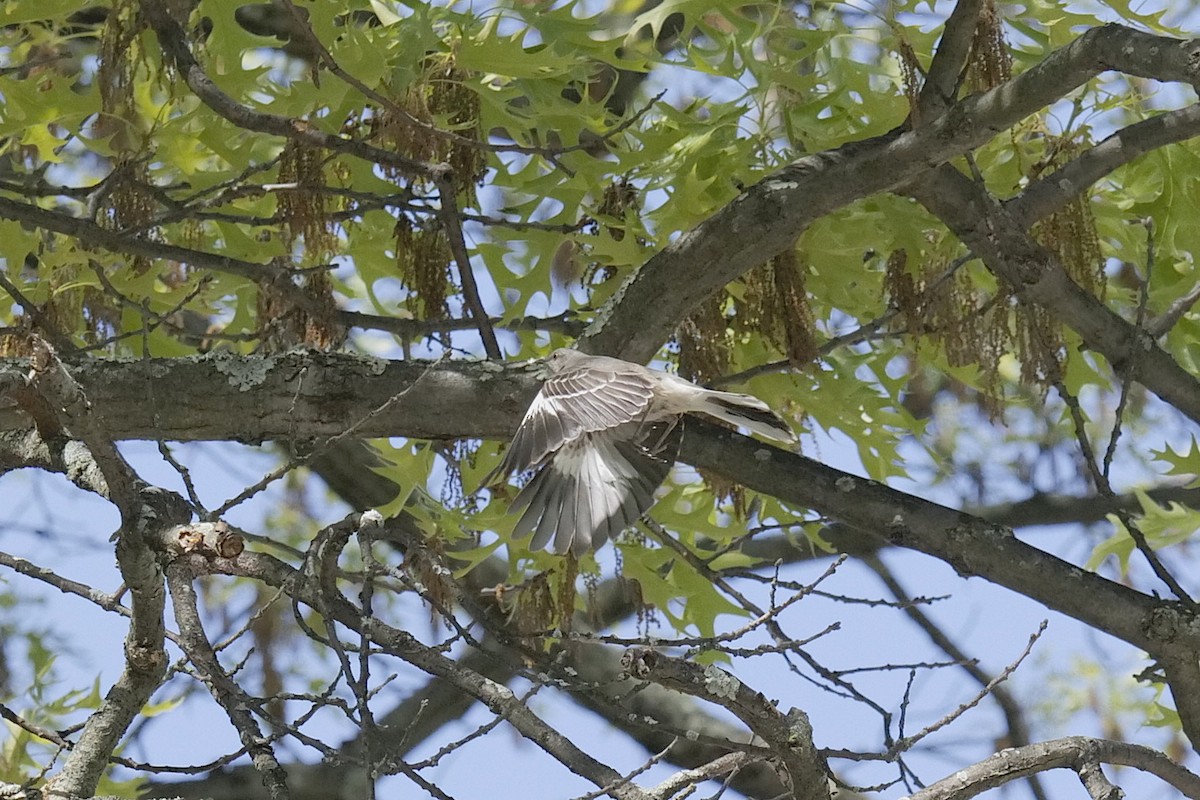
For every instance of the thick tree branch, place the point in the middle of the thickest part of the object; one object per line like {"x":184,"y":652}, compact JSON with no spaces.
{"x":25,"y":447}
{"x":769,"y":216}
{"x":1008,"y":251}
{"x":972,"y":546}
{"x":295,"y":395}
{"x":50,"y":381}
{"x":303,"y":395}
{"x":1068,"y":753}
{"x":1053,"y":191}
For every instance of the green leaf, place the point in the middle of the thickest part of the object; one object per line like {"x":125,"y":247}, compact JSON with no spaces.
{"x":407,"y":465}
{"x":1183,"y":464}
{"x":383,"y":11}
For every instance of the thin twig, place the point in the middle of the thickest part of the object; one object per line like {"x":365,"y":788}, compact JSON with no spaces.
{"x":1138,"y":326}
{"x":906,"y":743}
{"x":458,"y":246}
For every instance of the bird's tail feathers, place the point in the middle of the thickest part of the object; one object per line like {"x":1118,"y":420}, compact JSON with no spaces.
{"x":748,"y":412}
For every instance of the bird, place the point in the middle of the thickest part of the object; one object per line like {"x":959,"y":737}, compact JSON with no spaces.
{"x":603,"y":434}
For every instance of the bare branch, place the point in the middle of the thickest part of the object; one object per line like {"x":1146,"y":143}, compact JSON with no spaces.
{"x":724,"y":765}
{"x":498,"y":698}
{"x":942,"y":80}
{"x":1067,"y":753}
{"x":105,"y":600}
{"x":788,"y":735}
{"x":145,"y":666}
{"x":1014,"y":717}
{"x":223,"y":688}
{"x":908,"y":742}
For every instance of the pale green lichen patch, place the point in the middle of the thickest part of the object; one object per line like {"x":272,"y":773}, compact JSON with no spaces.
{"x":375,"y":365}
{"x":244,"y":372}
{"x":720,"y":683}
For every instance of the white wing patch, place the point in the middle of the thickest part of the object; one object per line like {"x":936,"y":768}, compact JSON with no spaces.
{"x":595,"y":487}
{"x":599,"y":454}
{"x":569,"y":406}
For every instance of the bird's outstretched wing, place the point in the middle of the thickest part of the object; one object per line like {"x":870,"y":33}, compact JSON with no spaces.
{"x":596,"y":485}
{"x":571,"y":405}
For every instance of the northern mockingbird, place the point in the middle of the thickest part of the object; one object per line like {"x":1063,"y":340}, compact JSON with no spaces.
{"x":603,"y":434}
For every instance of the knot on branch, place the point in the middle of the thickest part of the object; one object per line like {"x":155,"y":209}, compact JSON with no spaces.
{"x":208,"y":539}
{"x":147,"y":659}
{"x":639,"y":662}
{"x":800,"y":730}
{"x":1169,"y":622}
{"x":161,"y":508}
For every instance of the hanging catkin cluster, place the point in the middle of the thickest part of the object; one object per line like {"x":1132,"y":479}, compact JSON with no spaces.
{"x":423,"y":263}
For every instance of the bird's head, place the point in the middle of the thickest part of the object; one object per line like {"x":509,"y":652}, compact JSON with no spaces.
{"x":563,"y":359}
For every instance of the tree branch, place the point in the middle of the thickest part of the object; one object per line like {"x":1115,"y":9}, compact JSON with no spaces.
{"x":225,"y":691}
{"x":1014,"y":717}
{"x":1008,"y":251}
{"x":1053,"y":191}
{"x":1066,"y":753}
{"x":145,"y":660}
{"x":1048,"y":509}
{"x":295,"y":395}
{"x":769,"y":216}
{"x":498,"y":698}
{"x":144,"y":509}
{"x":458,"y":247}
{"x":94,"y":235}
{"x":942,"y":80}
{"x":303,"y":395}
{"x":90,"y":233}
{"x":788,"y":735}
{"x":173,"y":41}
{"x":972,"y":546}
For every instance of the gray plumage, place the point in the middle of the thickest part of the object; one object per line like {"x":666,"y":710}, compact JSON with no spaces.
{"x":603,"y":434}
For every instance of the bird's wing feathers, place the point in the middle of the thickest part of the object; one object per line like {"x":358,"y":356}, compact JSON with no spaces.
{"x":595,"y":399}
{"x":595,"y":486}
{"x":572,"y":404}
{"x":603,"y":434}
